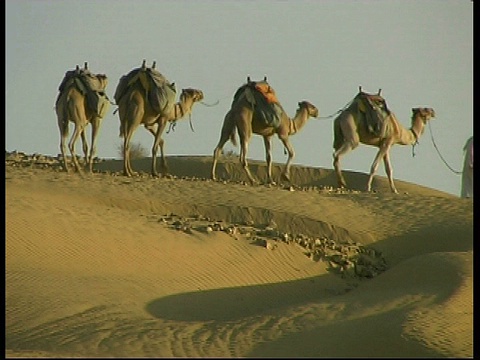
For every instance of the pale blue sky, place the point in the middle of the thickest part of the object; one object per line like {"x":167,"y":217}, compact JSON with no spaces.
{"x":419,"y":52}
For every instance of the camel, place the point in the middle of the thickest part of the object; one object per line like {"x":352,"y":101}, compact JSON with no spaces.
{"x":242,"y":118}
{"x":135,"y":109}
{"x":72,"y":106}
{"x":350,"y":129}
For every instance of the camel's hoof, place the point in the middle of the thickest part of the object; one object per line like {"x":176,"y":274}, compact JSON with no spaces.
{"x":286,"y":177}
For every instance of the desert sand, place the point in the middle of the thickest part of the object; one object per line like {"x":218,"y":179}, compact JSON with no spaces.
{"x":102,"y":265}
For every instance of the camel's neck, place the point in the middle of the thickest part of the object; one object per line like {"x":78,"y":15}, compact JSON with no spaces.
{"x":182,"y":108}
{"x":411,"y":136}
{"x":299,"y":121}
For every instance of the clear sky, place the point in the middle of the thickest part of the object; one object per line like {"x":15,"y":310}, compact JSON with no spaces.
{"x":420,"y":53}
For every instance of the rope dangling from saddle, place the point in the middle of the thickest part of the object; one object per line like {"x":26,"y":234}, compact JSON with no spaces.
{"x":171,"y":126}
{"x":415,"y":143}
{"x":190,"y":121}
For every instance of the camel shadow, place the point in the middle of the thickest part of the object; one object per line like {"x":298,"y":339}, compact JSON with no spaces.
{"x":228,"y":304}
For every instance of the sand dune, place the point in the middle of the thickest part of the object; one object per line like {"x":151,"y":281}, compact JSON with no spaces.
{"x":103,"y":265}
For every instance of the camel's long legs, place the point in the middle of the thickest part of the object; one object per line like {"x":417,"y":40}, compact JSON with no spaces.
{"x":267,"y":140}
{"x":83,"y":136}
{"x":71,"y":145}
{"x":63,"y":127}
{"x":389,"y":171}
{"x":217,"y":152}
{"x":373,"y":169}
{"x":159,"y":142}
{"x":127,"y":167}
{"x":93,"y":148}
{"x":135,"y":113}
{"x":291,"y":154}
{"x":344,"y":149}
{"x":228,"y":128}
{"x":244,"y":138}
{"x":346,"y":139}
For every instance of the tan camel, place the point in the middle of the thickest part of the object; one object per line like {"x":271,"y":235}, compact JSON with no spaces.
{"x":72,"y":106}
{"x":242,"y":118}
{"x":134,"y":109}
{"x":350,"y":129}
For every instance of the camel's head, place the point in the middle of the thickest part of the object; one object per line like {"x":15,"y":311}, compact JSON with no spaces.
{"x":194,"y":94}
{"x":103,"y":80}
{"x":311,"y":109}
{"x":424,"y":113}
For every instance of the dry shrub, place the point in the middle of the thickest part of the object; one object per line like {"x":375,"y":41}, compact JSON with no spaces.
{"x":137,"y":151}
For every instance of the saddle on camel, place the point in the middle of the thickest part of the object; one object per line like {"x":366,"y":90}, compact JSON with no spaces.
{"x":159,"y":92}
{"x":90,"y":85}
{"x":261,"y":96}
{"x":374,"y":109}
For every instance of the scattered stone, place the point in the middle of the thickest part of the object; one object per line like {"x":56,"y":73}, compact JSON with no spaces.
{"x":347,"y":259}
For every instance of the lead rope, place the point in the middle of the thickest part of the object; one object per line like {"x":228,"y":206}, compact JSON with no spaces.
{"x":338,"y":112}
{"x":441,"y":157}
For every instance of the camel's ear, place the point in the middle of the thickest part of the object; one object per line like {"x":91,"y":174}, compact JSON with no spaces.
{"x":265,"y":78}
{"x":248,"y":79}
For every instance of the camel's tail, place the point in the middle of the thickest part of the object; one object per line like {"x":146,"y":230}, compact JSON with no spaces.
{"x":337,"y":135}
{"x":230,"y":128}
{"x":62,"y":116}
{"x":233,"y":137}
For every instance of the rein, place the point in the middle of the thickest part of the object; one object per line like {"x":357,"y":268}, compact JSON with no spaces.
{"x":338,"y":111}
{"x":209,"y":105}
{"x":441,"y":157}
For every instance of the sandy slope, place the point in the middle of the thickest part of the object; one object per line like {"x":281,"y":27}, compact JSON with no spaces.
{"x":92,"y":268}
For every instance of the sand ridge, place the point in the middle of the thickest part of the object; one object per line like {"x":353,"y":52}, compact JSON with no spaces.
{"x":109,"y":266}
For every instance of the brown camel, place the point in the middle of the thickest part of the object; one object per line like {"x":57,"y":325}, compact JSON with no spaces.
{"x":351,"y":129}
{"x":72,"y":105}
{"x":135,"y":109}
{"x":242,"y":118}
